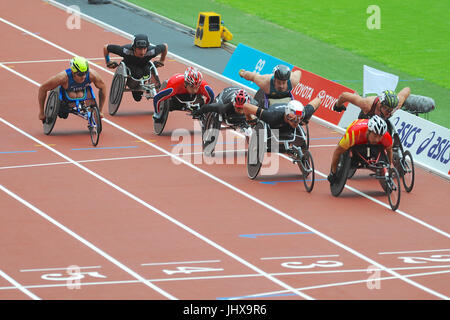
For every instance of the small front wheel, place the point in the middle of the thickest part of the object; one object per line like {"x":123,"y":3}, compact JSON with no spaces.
{"x":95,"y":125}
{"x":306,"y":165}
{"x":393,"y":188}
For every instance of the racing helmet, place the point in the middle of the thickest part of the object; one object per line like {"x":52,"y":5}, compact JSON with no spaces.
{"x":79,"y":64}
{"x":294,"y":107}
{"x":282,"y":72}
{"x":140,"y":41}
{"x":192,"y":77}
{"x":389,"y":99}
{"x":240,"y":97}
{"x":377,"y":125}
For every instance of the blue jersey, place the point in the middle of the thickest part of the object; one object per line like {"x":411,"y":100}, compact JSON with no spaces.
{"x":74,"y":86}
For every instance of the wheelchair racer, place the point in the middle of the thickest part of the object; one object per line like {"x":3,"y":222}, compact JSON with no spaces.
{"x":229,"y":104}
{"x":277,"y":85}
{"x":136,"y":57}
{"x":384,"y":105}
{"x":362,"y":131}
{"x":284,"y":116}
{"x":185,"y":86}
{"x":74,"y":82}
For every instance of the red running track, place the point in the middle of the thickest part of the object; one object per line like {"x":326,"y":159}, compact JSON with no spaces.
{"x":142,"y":223}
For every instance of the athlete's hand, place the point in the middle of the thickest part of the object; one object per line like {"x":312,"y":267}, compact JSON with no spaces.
{"x":112,"y":64}
{"x":158,"y":63}
{"x":241,"y":72}
{"x":339,"y":108}
{"x":41,"y":116}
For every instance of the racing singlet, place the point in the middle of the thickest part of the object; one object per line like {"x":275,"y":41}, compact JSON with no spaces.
{"x":273,"y":94}
{"x":371,"y":112}
{"x":74,"y":86}
{"x":356,"y":134}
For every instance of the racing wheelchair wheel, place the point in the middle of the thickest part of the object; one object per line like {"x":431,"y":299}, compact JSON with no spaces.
{"x":256,"y":150}
{"x":116,"y":91}
{"x":51,"y":111}
{"x":95,"y":124}
{"x":210,"y":134}
{"x":342,"y":173}
{"x":405,"y":168}
{"x":393,"y":188}
{"x":158,"y":126}
{"x":306,"y":165}
{"x":304,"y":127}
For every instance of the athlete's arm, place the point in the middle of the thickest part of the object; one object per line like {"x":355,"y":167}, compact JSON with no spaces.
{"x":402,"y":96}
{"x":50,"y":84}
{"x":101,"y":86}
{"x":261,"y":81}
{"x":295,"y":77}
{"x":365,"y":104}
{"x":335,"y":158}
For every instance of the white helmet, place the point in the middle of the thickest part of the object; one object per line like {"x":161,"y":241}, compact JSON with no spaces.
{"x":377,"y":125}
{"x":294,"y":107}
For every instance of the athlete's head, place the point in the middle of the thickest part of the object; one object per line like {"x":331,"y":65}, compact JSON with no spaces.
{"x":377,"y":128}
{"x":281,"y":74}
{"x":293,"y":112}
{"x":140,"y":45}
{"x":192,"y":79}
{"x":388,"y":102}
{"x":79,"y":66}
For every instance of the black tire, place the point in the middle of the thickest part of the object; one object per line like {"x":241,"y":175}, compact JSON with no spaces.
{"x":51,"y":111}
{"x":95,"y":125}
{"x":210,"y":134}
{"x":260,"y":97}
{"x":406,"y":171}
{"x":158,"y":126}
{"x":306,"y":166}
{"x":393,"y":188}
{"x":116,"y":91}
{"x":342,"y":173}
{"x":351,"y":173}
{"x":256,"y":150}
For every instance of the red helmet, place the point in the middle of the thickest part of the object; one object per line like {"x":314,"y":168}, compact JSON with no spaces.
{"x":192,"y":77}
{"x":240,"y":97}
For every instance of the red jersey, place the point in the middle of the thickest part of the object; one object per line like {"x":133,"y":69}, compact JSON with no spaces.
{"x":176,"y":86}
{"x":356,"y":134}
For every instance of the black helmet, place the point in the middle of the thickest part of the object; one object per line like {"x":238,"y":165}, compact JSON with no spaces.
{"x":282,"y":72}
{"x":140,"y":41}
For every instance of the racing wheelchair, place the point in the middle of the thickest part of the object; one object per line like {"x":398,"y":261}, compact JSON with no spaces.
{"x":60,"y":106}
{"x":402,"y":160}
{"x":179,"y":103}
{"x":292,"y":143}
{"x":214,"y":122}
{"x":373,"y":158}
{"x":123,"y":79}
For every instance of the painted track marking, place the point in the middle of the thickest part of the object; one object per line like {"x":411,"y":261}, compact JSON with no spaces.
{"x":279,"y":212}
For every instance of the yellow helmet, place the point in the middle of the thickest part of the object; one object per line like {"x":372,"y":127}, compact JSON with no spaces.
{"x":79,"y":64}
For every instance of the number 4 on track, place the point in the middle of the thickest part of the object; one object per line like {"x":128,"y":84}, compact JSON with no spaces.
{"x":189,"y":270}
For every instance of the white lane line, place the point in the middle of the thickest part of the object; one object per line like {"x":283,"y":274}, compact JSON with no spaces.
{"x":416,"y":251}
{"x":19,"y":286}
{"x":337,"y":284}
{"x":232,"y":276}
{"x":54,"y":60}
{"x":362,"y":194}
{"x":54,"y":269}
{"x":284,"y":258}
{"x":86,"y":242}
{"x":279,"y":212}
{"x":180,"y":262}
{"x":145,"y":204}
{"x":109,"y":159}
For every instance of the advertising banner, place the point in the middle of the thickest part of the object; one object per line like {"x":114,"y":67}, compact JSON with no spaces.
{"x":428,"y":142}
